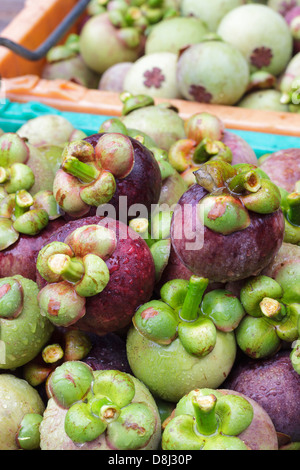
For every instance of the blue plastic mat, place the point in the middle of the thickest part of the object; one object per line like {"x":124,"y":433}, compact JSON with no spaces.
{"x":14,"y":115}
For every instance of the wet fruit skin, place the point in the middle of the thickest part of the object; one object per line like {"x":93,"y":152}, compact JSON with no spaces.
{"x":142,"y":185}
{"x":26,"y":248}
{"x":108,"y":353}
{"x":232,"y":257}
{"x":275,"y":385}
{"x":19,"y":398}
{"x":132,"y":278}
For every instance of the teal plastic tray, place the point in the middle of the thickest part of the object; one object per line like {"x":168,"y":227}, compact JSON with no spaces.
{"x":14,"y":115}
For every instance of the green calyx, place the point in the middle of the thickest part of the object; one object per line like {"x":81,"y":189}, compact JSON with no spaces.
{"x":161,"y":156}
{"x":74,"y":270}
{"x":11,"y":298}
{"x":269,"y":320}
{"x":23,"y":213}
{"x":18,"y":176}
{"x":290,"y":205}
{"x":70,"y":383}
{"x":223,"y":308}
{"x":100,"y":402}
{"x":223,"y":214}
{"x":133,"y":102}
{"x":207,"y":417}
{"x":178,"y":315}
{"x":234,"y":190}
{"x":209,"y":150}
{"x":88,"y":176}
{"x":295,"y":355}
{"x":65,"y":51}
{"x":28,"y":435}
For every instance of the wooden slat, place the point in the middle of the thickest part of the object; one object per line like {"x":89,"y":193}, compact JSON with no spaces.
{"x":67,"y":96}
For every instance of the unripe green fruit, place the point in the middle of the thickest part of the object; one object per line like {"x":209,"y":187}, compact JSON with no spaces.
{"x":261,"y":34}
{"x":212,"y":72}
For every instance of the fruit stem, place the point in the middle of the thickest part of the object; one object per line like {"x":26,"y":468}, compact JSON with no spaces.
{"x":204,"y":408}
{"x":196,"y":289}
{"x":70,"y":269}
{"x":81,"y":170}
{"x":248,"y":180}
{"x":23,"y":202}
{"x":272,"y":308}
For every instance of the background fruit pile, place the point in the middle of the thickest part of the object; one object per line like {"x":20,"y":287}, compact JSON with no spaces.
{"x":118,"y":329}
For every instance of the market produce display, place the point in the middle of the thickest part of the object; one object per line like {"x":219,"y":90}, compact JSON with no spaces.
{"x":149,"y":271}
{"x":238,"y":53}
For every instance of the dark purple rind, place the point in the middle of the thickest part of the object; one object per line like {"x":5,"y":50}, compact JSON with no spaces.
{"x":275,"y":385}
{"x":225,"y":258}
{"x":20,"y":258}
{"x":108,"y":353}
{"x":142,"y":186}
{"x":132,"y":279}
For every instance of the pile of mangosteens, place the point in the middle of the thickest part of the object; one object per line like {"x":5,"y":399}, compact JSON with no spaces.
{"x":149,"y":286}
{"x":234,"y":53}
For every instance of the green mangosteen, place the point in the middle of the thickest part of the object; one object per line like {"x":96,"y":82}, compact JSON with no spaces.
{"x":98,"y":410}
{"x":183,"y":340}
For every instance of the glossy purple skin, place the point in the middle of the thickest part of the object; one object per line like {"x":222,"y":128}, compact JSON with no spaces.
{"x":108,"y":353}
{"x":242,"y":152}
{"x":20,"y":258}
{"x":224,"y":258}
{"x":132,"y":279}
{"x":275,"y":385}
{"x":283,"y":168}
{"x":142,"y":186}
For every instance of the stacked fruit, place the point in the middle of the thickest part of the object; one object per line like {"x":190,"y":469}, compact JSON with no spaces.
{"x":234,"y":53}
{"x":149,"y":290}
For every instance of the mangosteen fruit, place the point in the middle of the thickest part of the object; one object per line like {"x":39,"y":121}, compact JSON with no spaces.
{"x":218,"y":419}
{"x":211,"y":13}
{"x":46,"y":129}
{"x":265,"y":100}
{"x":174,"y":34}
{"x":93,"y":274}
{"x":98,"y":410}
{"x":206,"y":139}
{"x":113,"y":78}
{"x":272,"y":318}
{"x":155,"y":75}
{"x":184,"y":341}
{"x":106,"y":168}
{"x":161,"y":123}
{"x":202,"y":78}
{"x":255,"y":229}
{"x":284,"y":268}
{"x":73,"y":69}
{"x":289,"y":83}
{"x":22,"y":238}
{"x":23,"y":330}
{"x":21,"y":410}
{"x":261,"y":34}
{"x":102,"y":44}
{"x":275,"y":385}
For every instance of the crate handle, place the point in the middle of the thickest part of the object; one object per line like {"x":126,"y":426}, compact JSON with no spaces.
{"x":54,"y":37}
